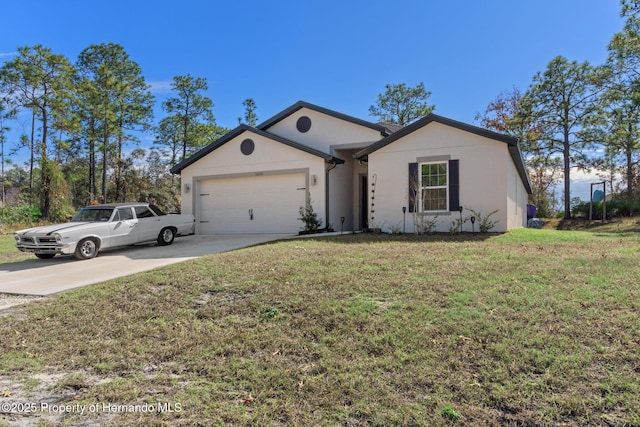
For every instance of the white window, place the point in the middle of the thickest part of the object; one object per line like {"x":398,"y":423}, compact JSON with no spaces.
{"x":434,"y":188}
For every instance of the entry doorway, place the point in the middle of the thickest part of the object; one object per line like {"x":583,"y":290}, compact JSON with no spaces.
{"x":364,"y":202}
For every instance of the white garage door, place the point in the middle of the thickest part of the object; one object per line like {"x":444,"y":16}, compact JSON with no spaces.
{"x":256,"y":204}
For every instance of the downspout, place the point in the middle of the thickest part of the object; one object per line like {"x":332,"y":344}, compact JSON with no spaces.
{"x":326,"y":194}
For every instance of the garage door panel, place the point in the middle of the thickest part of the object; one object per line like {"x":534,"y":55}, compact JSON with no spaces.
{"x":256,"y":204}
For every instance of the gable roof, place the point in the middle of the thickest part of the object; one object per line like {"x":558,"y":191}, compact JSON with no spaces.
{"x":393,"y":127}
{"x":384,"y":131}
{"x":244,"y":128}
{"x":512,"y":143}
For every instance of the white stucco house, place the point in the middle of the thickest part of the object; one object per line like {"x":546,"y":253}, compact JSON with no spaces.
{"x":255,"y":179}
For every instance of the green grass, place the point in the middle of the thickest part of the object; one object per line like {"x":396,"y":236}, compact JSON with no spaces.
{"x":531,"y":327}
{"x":8,"y":251}
{"x":7,"y":244}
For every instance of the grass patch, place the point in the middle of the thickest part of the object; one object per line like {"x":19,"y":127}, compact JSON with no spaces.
{"x":532,"y":327}
{"x":616,"y":225}
{"x":8,"y":251}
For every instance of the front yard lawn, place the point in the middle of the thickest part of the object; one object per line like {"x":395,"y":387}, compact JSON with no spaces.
{"x":533,"y":327}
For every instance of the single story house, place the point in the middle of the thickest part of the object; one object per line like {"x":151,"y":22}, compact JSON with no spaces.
{"x":354,"y":173}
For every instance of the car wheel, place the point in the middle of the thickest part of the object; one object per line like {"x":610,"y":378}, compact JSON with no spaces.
{"x":86,"y":249}
{"x":45,"y":256}
{"x":166,"y":236}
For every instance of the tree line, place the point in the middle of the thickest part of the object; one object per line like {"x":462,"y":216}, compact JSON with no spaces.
{"x":576,"y":115}
{"x":573,"y":115}
{"x":83,"y":125}
{"x":84,"y":117}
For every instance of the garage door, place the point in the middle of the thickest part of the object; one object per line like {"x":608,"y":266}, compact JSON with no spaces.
{"x":256,"y":204}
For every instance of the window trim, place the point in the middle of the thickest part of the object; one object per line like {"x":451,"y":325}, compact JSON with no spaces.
{"x":146,"y":209}
{"x":118,"y":216}
{"x":421,"y":187}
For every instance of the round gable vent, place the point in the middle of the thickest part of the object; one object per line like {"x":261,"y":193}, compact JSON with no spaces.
{"x":247,"y":146}
{"x":303,"y":124}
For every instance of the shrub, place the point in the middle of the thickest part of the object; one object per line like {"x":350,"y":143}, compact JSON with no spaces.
{"x":423,"y":225}
{"x":485,"y":223}
{"x":615,"y":208}
{"x":622,"y":207}
{"x":456,"y":225}
{"x":309,"y":218}
{"x":21,"y":214}
{"x":18,"y":216}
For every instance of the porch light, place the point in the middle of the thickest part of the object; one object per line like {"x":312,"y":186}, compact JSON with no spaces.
{"x":187,"y":188}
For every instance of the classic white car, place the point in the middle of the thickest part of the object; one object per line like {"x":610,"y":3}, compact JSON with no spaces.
{"x":99,"y":227}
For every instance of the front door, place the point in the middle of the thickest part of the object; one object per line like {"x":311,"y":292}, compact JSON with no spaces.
{"x":124,"y":228}
{"x":364,"y":202}
{"x":148,"y":224}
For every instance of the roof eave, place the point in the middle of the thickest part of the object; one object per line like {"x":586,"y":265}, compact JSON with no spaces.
{"x":512,"y":143}
{"x":303,"y":104}
{"x":208,"y":148}
{"x":244,"y":128}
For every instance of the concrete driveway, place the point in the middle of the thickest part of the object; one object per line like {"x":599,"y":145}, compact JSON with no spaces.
{"x":45,"y":277}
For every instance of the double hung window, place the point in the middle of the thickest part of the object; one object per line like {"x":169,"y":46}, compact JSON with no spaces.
{"x":434,"y":188}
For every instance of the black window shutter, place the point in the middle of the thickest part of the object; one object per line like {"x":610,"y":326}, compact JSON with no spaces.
{"x":454,"y":185}
{"x":413,"y":186}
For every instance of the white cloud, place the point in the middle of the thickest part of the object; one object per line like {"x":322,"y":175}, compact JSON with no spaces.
{"x":581,"y":183}
{"x":5,"y":54}
{"x":160,"y":86}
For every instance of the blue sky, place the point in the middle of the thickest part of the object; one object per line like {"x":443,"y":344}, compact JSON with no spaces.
{"x":337,"y":54}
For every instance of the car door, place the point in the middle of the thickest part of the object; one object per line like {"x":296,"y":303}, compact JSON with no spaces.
{"x":124,"y":227}
{"x":148,"y":223}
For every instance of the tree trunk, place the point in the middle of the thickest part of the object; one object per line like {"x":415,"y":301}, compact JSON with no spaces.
{"x":184,"y":138}
{"x":566,"y":152}
{"x":629,"y":152}
{"x":44,"y":169}
{"x":92,"y":171}
{"x":104,"y":162}
{"x":185,"y":131}
{"x":118,"y":171}
{"x":92,"y":168}
{"x":32,"y":148}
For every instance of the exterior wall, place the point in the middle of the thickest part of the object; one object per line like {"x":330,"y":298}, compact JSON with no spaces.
{"x":486,"y":176}
{"x":517,"y":198}
{"x":325,"y":131}
{"x":344,"y":191}
{"x":341,"y":194}
{"x":268,"y":156}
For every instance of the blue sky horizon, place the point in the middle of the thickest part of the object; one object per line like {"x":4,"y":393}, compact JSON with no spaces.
{"x":336,"y":54}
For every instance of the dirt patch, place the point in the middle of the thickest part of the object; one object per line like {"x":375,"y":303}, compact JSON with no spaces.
{"x":50,"y":398}
{"x":9,"y":303}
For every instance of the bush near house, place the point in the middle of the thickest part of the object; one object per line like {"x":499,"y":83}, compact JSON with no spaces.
{"x":309,"y":218}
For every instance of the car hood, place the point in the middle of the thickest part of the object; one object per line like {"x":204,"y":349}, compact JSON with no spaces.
{"x":50,"y":229}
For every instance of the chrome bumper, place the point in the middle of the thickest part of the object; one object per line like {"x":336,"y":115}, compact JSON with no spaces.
{"x":42,"y":245}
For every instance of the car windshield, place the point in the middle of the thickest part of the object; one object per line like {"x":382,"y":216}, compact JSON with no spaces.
{"x":92,"y":214}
